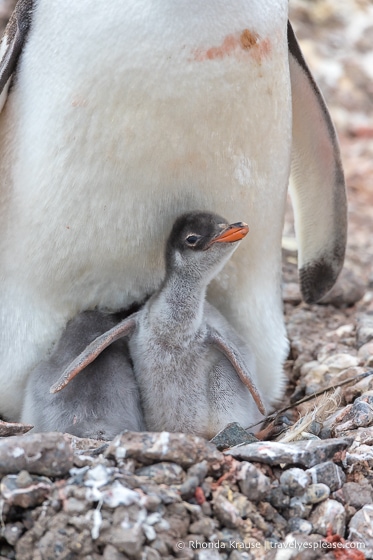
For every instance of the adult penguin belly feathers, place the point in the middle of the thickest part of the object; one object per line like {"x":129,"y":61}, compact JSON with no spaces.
{"x":120,"y":117}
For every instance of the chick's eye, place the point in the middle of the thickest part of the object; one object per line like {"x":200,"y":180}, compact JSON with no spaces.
{"x":192,"y":239}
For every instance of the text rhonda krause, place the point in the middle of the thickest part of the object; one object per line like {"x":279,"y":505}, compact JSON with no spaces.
{"x":241,"y":545}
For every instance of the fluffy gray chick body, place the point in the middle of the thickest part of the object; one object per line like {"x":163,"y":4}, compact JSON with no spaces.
{"x":101,"y":402}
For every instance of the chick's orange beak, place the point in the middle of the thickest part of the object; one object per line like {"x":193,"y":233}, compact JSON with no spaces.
{"x":234,"y":232}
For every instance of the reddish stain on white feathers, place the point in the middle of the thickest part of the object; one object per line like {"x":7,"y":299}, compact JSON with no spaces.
{"x":236,"y":46}
{"x":79,"y":102}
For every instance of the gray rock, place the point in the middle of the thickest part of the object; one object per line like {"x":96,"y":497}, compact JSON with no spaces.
{"x":126,"y":539}
{"x":160,"y":546}
{"x":149,"y":447}
{"x":328,"y":473}
{"x":361,"y":529}
{"x":252,"y":482}
{"x":365,"y":354}
{"x":330,"y":514}
{"x":25,"y":491}
{"x":363,"y":454}
{"x":111,"y":553}
{"x":207,"y":555}
{"x":226,"y":512}
{"x":204,"y":526}
{"x":316,"y":493}
{"x":278,"y":499}
{"x":358,"y":415}
{"x":357,"y":494}
{"x":232,"y":434}
{"x":306,"y":453}
{"x":194,"y":478}
{"x":364,"y":331}
{"x":340,"y":362}
{"x":12,"y":532}
{"x":367,"y":397}
{"x":188,"y":488}
{"x":48,"y":454}
{"x":150,"y":554}
{"x":298,"y":508}
{"x":237,"y":555}
{"x":163,"y":473}
{"x":199,"y":470}
{"x":184,"y":554}
{"x":299,"y":525}
{"x":294,"y":481}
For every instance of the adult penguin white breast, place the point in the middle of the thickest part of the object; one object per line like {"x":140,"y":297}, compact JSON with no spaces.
{"x":122,"y":115}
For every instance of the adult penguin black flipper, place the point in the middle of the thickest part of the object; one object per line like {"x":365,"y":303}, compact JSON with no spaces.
{"x":12,"y":43}
{"x":317,"y":188}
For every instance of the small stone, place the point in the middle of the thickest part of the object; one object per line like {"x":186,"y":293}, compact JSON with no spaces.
{"x":12,"y":532}
{"x":24,"y":479}
{"x":155,"y":447}
{"x":199,"y":470}
{"x":151,"y":503}
{"x":315,"y":428}
{"x":188,"y":488}
{"x":207,"y":555}
{"x":294,"y":481}
{"x":340,"y":362}
{"x":31,"y":495}
{"x":361,"y":529}
{"x":186,"y":553}
{"x":238,"y":555}
{"x":149,"y":554}
{"x":360,"y":414}
{"x":128,"y":540}
{"x":232,"y":434}
{"x":363,"y":414}
{"x":345,"y":330}
{"x":204,"y":526}
{"x":308,"y":367}
{"x":299,"y":525}
{"x":306,"y":453}
{"x":298,"y":508}
{"x":111,"y":553}
{"x":367,"y":397}
{"x":357,"y":494}
{"x":163,"y":473}
{"x":328,"y":473}
{"x":315,"y":378}
{"x":252,"y":482}
{"x":160,"y":546}
{"x":355,"y":390}
{"x":364,"y":331}
{"x":74,"y":506}
{"x":365,"y":354}
{"x":48,"y":454}
{"x":278,"y":499}
{"x":329,"y":515}
{"x":361,"y":455}
{"x":316,"y":493}
{"x":226,"y":512}
{"x":363,"y":436}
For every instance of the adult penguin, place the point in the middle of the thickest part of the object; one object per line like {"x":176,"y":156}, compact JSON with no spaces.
{"x":117,"y":117}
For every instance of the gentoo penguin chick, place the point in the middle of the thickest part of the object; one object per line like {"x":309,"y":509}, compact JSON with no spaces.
{"x":101,"y":402}
{"x":194,"y":372}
